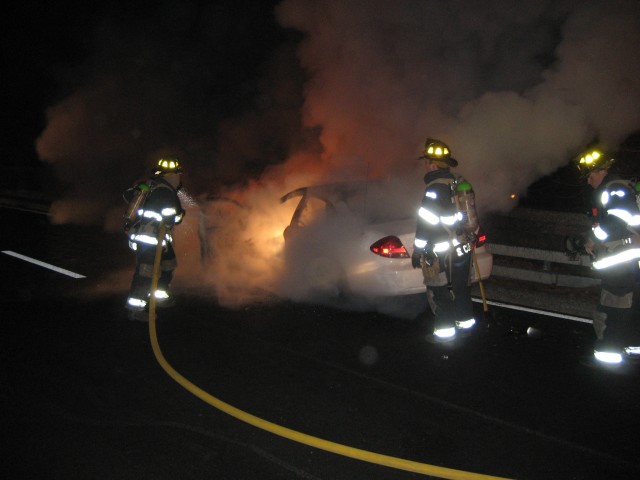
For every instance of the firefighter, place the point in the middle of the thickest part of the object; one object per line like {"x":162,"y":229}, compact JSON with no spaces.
{"x":614,"y":245}
{"x":442,"y":246}
{"x":151,"y":203}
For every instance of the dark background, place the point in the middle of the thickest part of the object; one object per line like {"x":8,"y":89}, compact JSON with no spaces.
{"x":45,"y":45}
{"x":48,"y":49}
{"x":83,"y":396}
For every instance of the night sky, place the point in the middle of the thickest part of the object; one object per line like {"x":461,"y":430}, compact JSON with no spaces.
{"x":179,"y":68}
{"x":279,"y":94}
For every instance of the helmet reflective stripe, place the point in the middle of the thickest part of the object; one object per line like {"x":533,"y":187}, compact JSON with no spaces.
{"x":428,"y":216}
{"x":604,"y":198}
{"x":593,"y":160}
{"x":431,"y":194}
{"x":632,"y":220}
{"x":607,"y":357}
{"x":621,"y":257}
{"x":444,"y":332}
{"x":437,"y":149}
{"x":420,"y":243}
{"x":166,"y":212}
{"x":590,"y":157}
{"x":161,"y":294}
{"x":466,"y":323}
{"x":168,"y":164}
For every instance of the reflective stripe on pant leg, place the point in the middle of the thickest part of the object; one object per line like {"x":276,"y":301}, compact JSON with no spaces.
{"x":461,"y":290}
{"x":443,"y":299}
{"x":613,"y":337}
{"x":134,"y":303}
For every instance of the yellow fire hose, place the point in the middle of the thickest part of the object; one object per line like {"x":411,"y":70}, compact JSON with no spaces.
{"x":344,"y":450}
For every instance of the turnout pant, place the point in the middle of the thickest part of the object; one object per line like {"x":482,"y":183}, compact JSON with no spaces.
{"x":452,"y":303}
{"x":141,"y":282}
{"x":613,"y":320}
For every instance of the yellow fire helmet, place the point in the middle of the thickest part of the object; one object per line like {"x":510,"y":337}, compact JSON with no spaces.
{"x":439,"y":153}
{"x":592,"y":160}
{"x":167,"y":165}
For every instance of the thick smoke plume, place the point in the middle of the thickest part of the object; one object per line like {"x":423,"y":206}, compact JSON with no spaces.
{"x":515,"y":88}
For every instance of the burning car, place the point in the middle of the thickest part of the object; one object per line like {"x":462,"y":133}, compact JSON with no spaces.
{"x":347,"y":239}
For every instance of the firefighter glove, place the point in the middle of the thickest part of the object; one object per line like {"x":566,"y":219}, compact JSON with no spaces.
{"x":430,"y":258}
{"x":575,"y":245}
{"x":472,"y":238}
{"x":415,"y":258}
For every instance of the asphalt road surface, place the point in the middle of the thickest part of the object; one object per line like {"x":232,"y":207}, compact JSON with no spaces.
{"x":83,"y":395}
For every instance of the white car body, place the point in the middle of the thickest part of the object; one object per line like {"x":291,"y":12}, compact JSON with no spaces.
{"x":329,"y":231}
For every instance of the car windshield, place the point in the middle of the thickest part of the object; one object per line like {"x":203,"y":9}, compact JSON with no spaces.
{"x":375,"y":201}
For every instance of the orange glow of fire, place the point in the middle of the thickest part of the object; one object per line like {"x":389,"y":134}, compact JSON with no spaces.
{"x":241,"y":234}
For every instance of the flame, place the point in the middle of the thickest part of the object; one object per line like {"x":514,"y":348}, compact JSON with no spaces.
{"x":233,"y":243}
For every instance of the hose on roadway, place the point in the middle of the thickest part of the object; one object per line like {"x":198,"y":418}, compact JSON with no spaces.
{"x":344,"y":450}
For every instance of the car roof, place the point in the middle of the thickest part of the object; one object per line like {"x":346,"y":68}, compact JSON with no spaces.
{"x":330,"y":192}
{"x":361,"y":197}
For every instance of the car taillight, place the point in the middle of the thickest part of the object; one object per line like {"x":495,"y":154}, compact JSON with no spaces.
{"x":481,"y":238}
{"x":390,"y":247}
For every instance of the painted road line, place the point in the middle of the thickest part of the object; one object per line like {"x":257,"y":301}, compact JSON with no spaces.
{"x":547,"y":313}
{"x":43,"y":264}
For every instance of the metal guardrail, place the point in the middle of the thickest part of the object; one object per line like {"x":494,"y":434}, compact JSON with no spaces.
{"x":537,"y":267}
{"x":25,"y":200}
{"x":547,"y":273}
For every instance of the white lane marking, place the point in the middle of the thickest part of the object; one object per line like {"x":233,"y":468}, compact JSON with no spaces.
{"x":43,"y":264}
{"x":534,"y":310}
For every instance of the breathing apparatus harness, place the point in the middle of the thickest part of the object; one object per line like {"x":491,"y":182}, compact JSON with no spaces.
{"x":463,"y":238}
{"x":139,"y":194}
{"x":463,"y":196}
{"x":141,"y":225}
{"x":575,"y":244}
